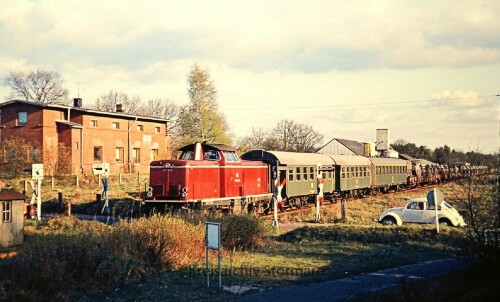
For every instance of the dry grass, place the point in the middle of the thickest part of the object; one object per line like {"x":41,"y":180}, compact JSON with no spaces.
{"x":364,"y":211}
{"x":64,"y":255}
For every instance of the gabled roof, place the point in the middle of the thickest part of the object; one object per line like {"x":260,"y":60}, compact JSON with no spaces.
{"x":86,"y":110}
{"x":357,"y":148}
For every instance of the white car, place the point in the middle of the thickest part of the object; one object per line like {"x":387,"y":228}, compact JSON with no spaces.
{"x":418,"y":211}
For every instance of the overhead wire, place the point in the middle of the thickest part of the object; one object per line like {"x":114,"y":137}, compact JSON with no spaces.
{"x":363,"y":104}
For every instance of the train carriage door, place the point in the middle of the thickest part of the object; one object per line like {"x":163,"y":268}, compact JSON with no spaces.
{"x":282,"y":182}
{"x":328,"y":175}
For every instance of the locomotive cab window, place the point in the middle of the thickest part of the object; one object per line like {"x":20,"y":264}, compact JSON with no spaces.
{"x":211,"y":155}
{"x":231,"y":156}
{"x":187,"y":155}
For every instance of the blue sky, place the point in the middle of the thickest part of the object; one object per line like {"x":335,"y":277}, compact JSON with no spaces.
{"x":429,"y":71}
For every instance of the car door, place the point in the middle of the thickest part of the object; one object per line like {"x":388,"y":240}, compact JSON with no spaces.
{"x":430,"y":214}
{"x":413,"y":212}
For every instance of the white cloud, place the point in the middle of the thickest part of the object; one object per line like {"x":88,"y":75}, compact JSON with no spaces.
{"x":323,"y":63}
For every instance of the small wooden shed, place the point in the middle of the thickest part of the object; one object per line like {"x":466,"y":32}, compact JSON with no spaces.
{"x":11,"y":218}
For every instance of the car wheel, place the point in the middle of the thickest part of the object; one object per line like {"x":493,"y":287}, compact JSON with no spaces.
{"x":444,"y":222}
{"x":388,"y":221}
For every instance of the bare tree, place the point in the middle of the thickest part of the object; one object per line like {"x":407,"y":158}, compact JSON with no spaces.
{"x":305,"y":138}
{"x":286,"y":136}
{"x":37,"y":86}
{"x":284,"y":132}
{"x":254,"y":141}
{"x":107,"y":102}
{"x":165,"y":109}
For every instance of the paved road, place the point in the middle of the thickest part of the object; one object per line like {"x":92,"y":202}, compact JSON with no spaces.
{"x":350,"y":287}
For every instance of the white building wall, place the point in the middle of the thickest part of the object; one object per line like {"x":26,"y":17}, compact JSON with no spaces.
{"x":335,"y":148}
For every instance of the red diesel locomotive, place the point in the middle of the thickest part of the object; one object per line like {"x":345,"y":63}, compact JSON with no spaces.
{"x":208,"y":176}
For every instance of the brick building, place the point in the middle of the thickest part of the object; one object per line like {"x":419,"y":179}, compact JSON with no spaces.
{"x":79,"y":138}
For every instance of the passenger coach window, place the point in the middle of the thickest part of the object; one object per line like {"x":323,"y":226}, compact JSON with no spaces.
{"x":311,"y":172}
{"x":305,"y":173}
{"x":297,"y":175}
{"x":290,"y":175}
{"x":343,"y":172}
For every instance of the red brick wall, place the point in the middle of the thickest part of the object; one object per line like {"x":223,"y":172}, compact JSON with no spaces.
{"x":42,"y":130}
{"x":32,"y":132}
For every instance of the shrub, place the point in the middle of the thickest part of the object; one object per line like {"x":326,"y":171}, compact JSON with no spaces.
{"x":242,"y":231}
{"x":161,"y":242}
{"x":50,"y":265}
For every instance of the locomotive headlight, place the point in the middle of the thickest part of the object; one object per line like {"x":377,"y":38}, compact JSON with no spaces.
{"x":149,"y":194}
{"x":184,"y":194}
{"x":184,"y":190}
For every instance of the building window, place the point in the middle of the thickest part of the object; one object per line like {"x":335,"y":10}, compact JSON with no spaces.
{"x":22,"y":118}
{"x":6,"y":211}
{"x":119,"y":154}
{"x":154,"y":154}
{"x":93,"y":123}
{"x":115,"y":125}
{"x":136,"y":155}
{"x":140,"y":128}
{"x":98,"y":154}
{"x":157,"y":129}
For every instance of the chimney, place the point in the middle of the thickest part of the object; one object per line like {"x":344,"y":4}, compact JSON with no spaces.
{"x":77,"y":102}
{"x":119,"y":107}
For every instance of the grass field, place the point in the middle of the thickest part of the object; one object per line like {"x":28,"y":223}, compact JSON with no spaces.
{"x":134,"y":261}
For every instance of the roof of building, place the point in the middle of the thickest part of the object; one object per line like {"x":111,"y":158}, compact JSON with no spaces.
{"x":71,"y":124}
{"x":8,"y":195}
{"x":406,"y":156}
{"x":86,"y":110}
{"x":357,"y":148}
